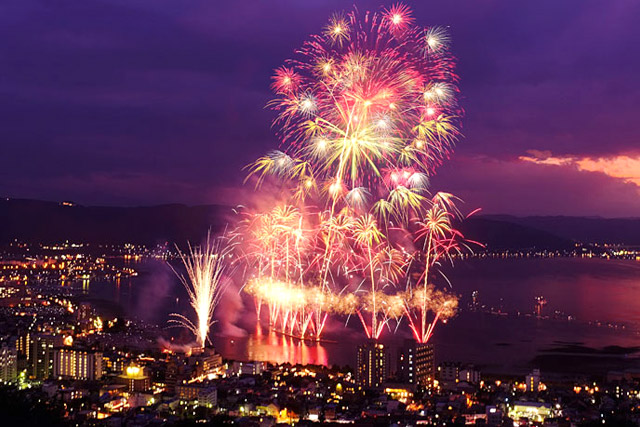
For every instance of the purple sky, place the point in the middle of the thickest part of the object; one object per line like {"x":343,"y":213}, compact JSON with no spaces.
{"x":132,"y":102}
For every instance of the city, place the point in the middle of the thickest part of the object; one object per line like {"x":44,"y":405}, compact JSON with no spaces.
{"x":61,"y":356}
{"x":286,"y":213}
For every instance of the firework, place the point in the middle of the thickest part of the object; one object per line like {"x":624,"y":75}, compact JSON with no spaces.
{"x":362,"y":100}
{"x":204,"y":281}
{"x":366,"y":112}
{"x":421,"y":303}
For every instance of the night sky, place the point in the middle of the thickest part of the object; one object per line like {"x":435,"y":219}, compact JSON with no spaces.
{"x":130,"y":102}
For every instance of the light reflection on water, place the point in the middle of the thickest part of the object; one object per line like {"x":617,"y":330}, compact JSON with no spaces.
{"x":589,"y":290}
{"x":270,"y":346}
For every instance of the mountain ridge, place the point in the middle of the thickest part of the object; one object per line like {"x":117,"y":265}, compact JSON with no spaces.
{"x":47,"y":221}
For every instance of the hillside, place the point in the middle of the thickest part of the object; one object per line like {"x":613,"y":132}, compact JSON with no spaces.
{"x":38,"y":221}
{"x":582,"y":229}
{"x":47,"y":222}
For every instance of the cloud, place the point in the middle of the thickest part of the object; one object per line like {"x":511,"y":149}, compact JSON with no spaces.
{"x":623,"y":167}
{"x":139,"y":102}
{"x":548,"y":186}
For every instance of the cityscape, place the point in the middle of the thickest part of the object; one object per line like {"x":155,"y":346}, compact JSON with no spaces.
{"x":307,"y":213}
{"x":82,"y":366}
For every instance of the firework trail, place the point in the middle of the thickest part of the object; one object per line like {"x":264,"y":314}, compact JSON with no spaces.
{"x":205,"y":267}
{"x":366,"y":111}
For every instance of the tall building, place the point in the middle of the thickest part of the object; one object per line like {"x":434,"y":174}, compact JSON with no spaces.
{"x":113,"y":363}
{"x":8,"y":363}
{"x":533,"y":381}
{"x":40,"y":357}
{"x":23,"y":343}
{"x":416,"y":363}
{"x":77,"y":364}
{"x":425,"y":364}
{"x":372,"y":364}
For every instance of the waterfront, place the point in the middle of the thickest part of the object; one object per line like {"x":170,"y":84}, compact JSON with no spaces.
{"x":599,"y":294}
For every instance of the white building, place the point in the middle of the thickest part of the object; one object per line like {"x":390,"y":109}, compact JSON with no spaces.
{"x":208,"y":397}
{"x":8,"y":363}
{"x":77,"y":364}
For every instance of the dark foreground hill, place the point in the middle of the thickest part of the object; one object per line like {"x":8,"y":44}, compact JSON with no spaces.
{"x":48,"y":222}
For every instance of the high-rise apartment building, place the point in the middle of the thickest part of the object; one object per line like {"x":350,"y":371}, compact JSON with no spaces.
{"x":77,"y":364}
{"x":8,"y":363}
{"x":372,"y":364}
{"x":416,"y":363}
{"x":40,"y":357}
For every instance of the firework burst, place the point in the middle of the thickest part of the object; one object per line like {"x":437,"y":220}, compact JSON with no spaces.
{"x":204,"y":281}
{"x":366,"y":112}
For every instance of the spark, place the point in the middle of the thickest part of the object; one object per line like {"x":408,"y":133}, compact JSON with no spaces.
{"x":366,"y":112}
{"x":437,"y":39}
{"x":338,"y":29}
{"x":205,"y":267}
{"x":398,"y":16}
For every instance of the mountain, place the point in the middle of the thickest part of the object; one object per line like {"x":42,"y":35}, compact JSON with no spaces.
{"x":501,"y":235}
{"x":581,"y":229}
{"x":50,"y":222}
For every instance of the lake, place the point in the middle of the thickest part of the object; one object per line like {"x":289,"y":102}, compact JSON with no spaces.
{"x":602,"y":296}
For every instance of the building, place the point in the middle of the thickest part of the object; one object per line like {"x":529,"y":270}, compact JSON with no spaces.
{"x":449,"y":372}
{"x":246,"y":368}
{"x":75,"y":363}
{"x":533,"y":411}
{"x":40,"y":356}
{"x":171,"y":373}
{"x":69,"y":394}
{"x":372,"y":364}
{"x":137,"y":400}
{"x":416,"y":363}
{"x":205,"y":394}
{"x":208,"y":397}
{"x":494,"y":416}
{"x":8,"y":363}
{"x":204,"y":361}
{"x":113,"y":363}
{"x":23,"y":344}
{"x":135,"y":378}
{"x":406,"y":362}
{"x":399,"y":392}
{"x":532,"y":382}
{"x":425,"y":364}
{"x":470,"y":375}
{"x":188,"y":391}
